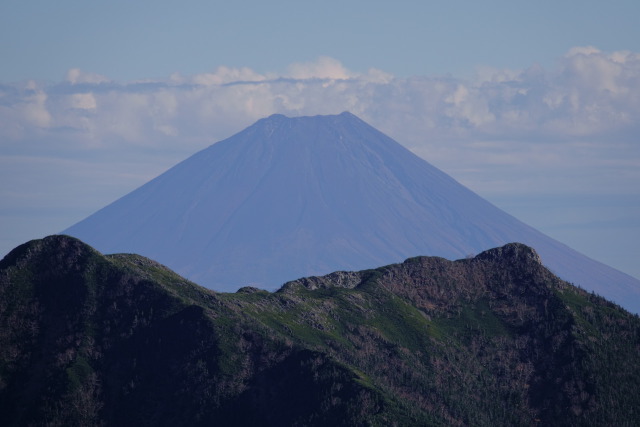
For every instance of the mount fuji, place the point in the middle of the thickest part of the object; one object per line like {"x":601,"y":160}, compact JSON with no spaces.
{"x":293,"y":197}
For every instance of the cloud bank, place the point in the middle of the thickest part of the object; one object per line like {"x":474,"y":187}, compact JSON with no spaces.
{"x":585,"y":109}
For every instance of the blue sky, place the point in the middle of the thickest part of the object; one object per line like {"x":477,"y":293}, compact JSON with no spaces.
{"x":138,"y":40}
{"x":534,"y":105}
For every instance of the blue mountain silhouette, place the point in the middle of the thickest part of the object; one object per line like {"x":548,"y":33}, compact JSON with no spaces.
{"x":293,"y":197}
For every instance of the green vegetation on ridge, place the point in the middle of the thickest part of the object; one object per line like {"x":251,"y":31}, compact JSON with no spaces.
{"x":87,"y":339}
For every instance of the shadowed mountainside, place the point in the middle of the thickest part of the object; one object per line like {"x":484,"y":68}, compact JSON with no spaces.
{"x":87,"y":339}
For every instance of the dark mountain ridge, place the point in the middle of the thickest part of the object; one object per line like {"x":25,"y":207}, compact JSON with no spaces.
{"x":88,"y":339}
{"x":293,"y":197}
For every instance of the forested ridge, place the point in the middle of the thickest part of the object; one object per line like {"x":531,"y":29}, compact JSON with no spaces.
{"x":497,"y":339}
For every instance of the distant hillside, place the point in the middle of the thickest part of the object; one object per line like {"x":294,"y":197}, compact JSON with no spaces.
{"x":302,"y":196}
{"x":118,"y":340}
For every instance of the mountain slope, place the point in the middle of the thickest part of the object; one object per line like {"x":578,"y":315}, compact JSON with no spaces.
{"x":292,"y":197}
{"x":121,"y":340}
{"x":494,"y":340}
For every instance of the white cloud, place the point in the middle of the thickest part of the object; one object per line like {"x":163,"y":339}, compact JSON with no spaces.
{"x":35,"y":111}
{"x":83,"y":101}
{"x":468,"y":107}
{"x":224,"y":75}
{"x":24,"y":113}
{"x":323,"y":68}
{"x":582,"y":50}
{"x":589,"y":96}
{"x":77,"y":76}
